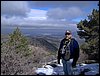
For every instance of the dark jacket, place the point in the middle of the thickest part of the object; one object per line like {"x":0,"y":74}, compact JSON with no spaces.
{"x":74,"y":50}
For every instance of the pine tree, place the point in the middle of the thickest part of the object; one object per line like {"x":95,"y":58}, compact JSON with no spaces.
{"x":89,"y":30}
{"x":18,"y":42}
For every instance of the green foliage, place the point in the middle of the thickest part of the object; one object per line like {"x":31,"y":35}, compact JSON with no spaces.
{"x":18,"y":42}
{"x":89,"y":30}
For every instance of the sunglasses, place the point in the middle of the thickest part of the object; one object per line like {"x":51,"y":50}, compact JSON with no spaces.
{"x":67,"y":33}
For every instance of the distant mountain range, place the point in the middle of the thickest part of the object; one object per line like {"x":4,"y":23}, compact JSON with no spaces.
{"x":50,"y":42}
{"x":48,"y":33}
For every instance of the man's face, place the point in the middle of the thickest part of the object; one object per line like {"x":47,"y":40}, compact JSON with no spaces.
{"x":68,"y":35}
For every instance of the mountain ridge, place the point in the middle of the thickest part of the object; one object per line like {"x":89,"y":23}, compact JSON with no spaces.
{"x":41,"y":42}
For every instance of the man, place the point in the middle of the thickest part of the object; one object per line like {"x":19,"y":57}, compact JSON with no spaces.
{"x":74,"y":53}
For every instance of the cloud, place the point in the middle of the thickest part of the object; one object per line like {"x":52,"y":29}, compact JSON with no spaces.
{"x":58,"y":9}
{"x":67,"y":14}
{"x":31,"y":23}
{"x":63,"y":4}
{"x":14,"y":8}
{"x":11,"y":21}
{"x":37,"y":14}
{"x":42,"y":14}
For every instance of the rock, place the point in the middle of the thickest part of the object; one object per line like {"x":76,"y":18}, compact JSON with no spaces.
{"x":89,"y":61}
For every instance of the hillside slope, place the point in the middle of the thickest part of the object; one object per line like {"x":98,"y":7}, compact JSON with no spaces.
{"x":42,"y":42}
{"x":15,"y":63}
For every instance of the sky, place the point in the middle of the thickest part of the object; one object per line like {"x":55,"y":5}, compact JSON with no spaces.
{"x":45,"y":14}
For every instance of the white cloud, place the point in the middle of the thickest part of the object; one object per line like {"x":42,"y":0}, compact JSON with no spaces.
{"x":36,"y":14}
{"x":11,"y":21}
{"x":31,"y":23}
{"x":12,"y":11}
{"x":36,"y":18}
{"x":14,"y":8}
{"x":65,"y":14}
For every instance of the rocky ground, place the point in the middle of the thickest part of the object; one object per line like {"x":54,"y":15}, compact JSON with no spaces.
{"x":52,"y":68}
